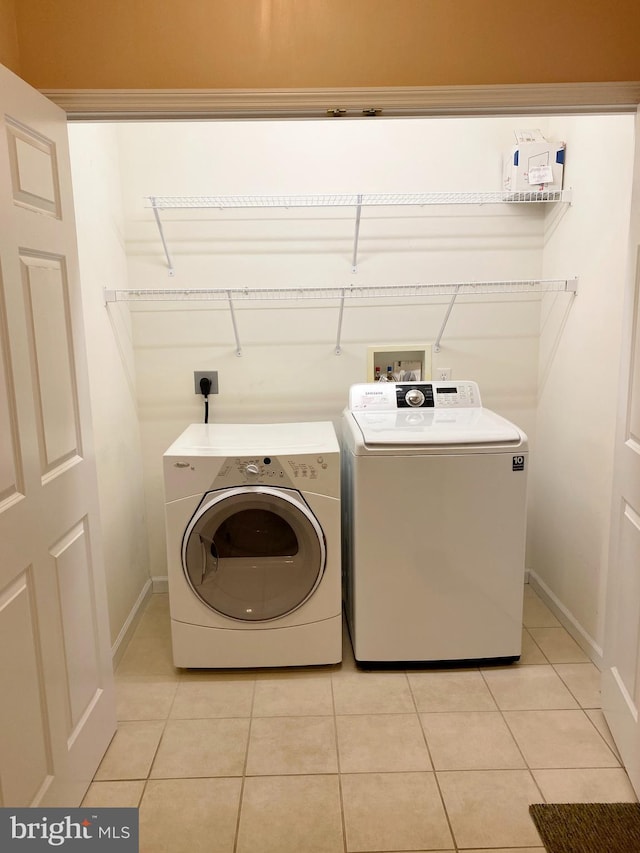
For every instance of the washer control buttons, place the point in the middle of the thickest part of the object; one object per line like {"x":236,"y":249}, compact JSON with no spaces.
{"x":252,"y":470}
{"x":414,"y":395}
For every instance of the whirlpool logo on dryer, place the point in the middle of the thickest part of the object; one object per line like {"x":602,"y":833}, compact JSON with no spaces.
{"x":103,"y":830}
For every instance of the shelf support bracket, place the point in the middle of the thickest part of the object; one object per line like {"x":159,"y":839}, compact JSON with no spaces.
{"x":356,"y":236}
{"x":436,"y":345}
{"x":233,"y":323}
{"x":340,"y":315}
{"x":156,"y":213}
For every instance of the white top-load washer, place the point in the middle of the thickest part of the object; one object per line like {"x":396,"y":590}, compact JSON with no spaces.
{"x":434,"y":502}
{"x":253,"y":545}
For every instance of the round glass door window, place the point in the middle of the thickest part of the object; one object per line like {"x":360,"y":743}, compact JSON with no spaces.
{"x":253,"y":553}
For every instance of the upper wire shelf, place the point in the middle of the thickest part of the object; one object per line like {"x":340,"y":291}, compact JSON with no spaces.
{"x":355,"y":200}
{"x":358,"y":201}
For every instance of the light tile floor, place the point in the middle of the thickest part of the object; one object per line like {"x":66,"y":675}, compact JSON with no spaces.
{"x":341,"y":760}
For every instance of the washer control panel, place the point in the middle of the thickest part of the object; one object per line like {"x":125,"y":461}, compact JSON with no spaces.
{"x":389,"y":396}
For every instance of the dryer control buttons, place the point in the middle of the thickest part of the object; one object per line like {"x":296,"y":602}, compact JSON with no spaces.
{"x":414,"y":397}
{"x":252,"y":470}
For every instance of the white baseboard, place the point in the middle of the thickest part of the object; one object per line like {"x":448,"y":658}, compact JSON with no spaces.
{"x":131,"y":622}
{"x":160,"y":583}
{"x":566,"y":619}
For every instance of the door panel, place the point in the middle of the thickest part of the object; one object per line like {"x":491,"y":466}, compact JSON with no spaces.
{"x":34,"y":170}
{"x":11,"y":486}
{"x":46,"y":298}
{"x":23,"y":729}
{"x":71,"y":565}
{"x":626,"y":601}
{"x":633,"y":428}
{"x":57,"y":709}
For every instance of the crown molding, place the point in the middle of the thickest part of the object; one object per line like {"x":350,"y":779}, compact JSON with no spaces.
{"x":149,"y":104}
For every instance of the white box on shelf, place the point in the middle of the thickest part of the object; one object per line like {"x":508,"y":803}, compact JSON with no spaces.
{"x":534,"y":164}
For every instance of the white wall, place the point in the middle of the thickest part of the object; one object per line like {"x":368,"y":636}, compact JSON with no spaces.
{"x":96,"y":180}
{"x":579,"y":369}
{"x":289,"y":370}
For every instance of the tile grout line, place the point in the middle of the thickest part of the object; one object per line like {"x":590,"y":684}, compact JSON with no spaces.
{"x":343,"y":821}
{"x":244,"y":769}
{"x":508,"y":727}
{"x":433,"y":767}
{"x":156,"y":750}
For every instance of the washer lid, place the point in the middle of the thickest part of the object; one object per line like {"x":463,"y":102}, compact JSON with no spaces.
{"x":436,"y":426}
{"x":259,"y":439}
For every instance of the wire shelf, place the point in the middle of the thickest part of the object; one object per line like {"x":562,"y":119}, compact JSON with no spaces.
{"x":401,"y":291}
{"x":235,"y":295}
{"x":355,"y":200}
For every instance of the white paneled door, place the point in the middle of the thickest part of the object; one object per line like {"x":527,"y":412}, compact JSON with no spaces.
{"x":56,"y":685}
{"x":621,"y":675}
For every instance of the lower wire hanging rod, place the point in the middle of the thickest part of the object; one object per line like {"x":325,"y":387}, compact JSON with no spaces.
{"x":436,"y":345}
{"x":156,"y":213}
{"x":356,"y":236}
{"x":340,"y":315}
{"x":233,"y":323}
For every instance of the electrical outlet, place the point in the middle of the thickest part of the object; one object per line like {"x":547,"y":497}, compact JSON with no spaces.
{"x":443,"y":373}
{"x":211,"y":375}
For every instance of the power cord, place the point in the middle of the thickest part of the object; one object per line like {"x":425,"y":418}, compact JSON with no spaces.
{"x":205,"y":387}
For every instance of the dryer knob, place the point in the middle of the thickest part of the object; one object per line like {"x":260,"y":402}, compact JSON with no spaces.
{"x":252,"y":470}
{"x":414,"y":397}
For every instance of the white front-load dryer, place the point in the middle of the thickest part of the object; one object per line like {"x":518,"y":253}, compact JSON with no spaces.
{"x":253,"y":545}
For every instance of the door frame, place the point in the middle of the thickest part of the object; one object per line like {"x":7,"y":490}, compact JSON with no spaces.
{"x":345,"y":102}
{"x":352,"y":103}
{"x":619,"y":675}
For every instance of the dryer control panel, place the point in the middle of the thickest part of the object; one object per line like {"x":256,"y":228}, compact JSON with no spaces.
{"x":292,"y":471}
{"x":391,"y":396}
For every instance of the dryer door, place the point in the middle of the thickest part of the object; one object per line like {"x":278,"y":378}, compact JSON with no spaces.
{"x":253,"y":553}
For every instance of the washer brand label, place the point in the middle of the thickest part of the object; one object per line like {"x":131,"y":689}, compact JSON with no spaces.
{"x":518,"y":463}
{"x":103,"y":830}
